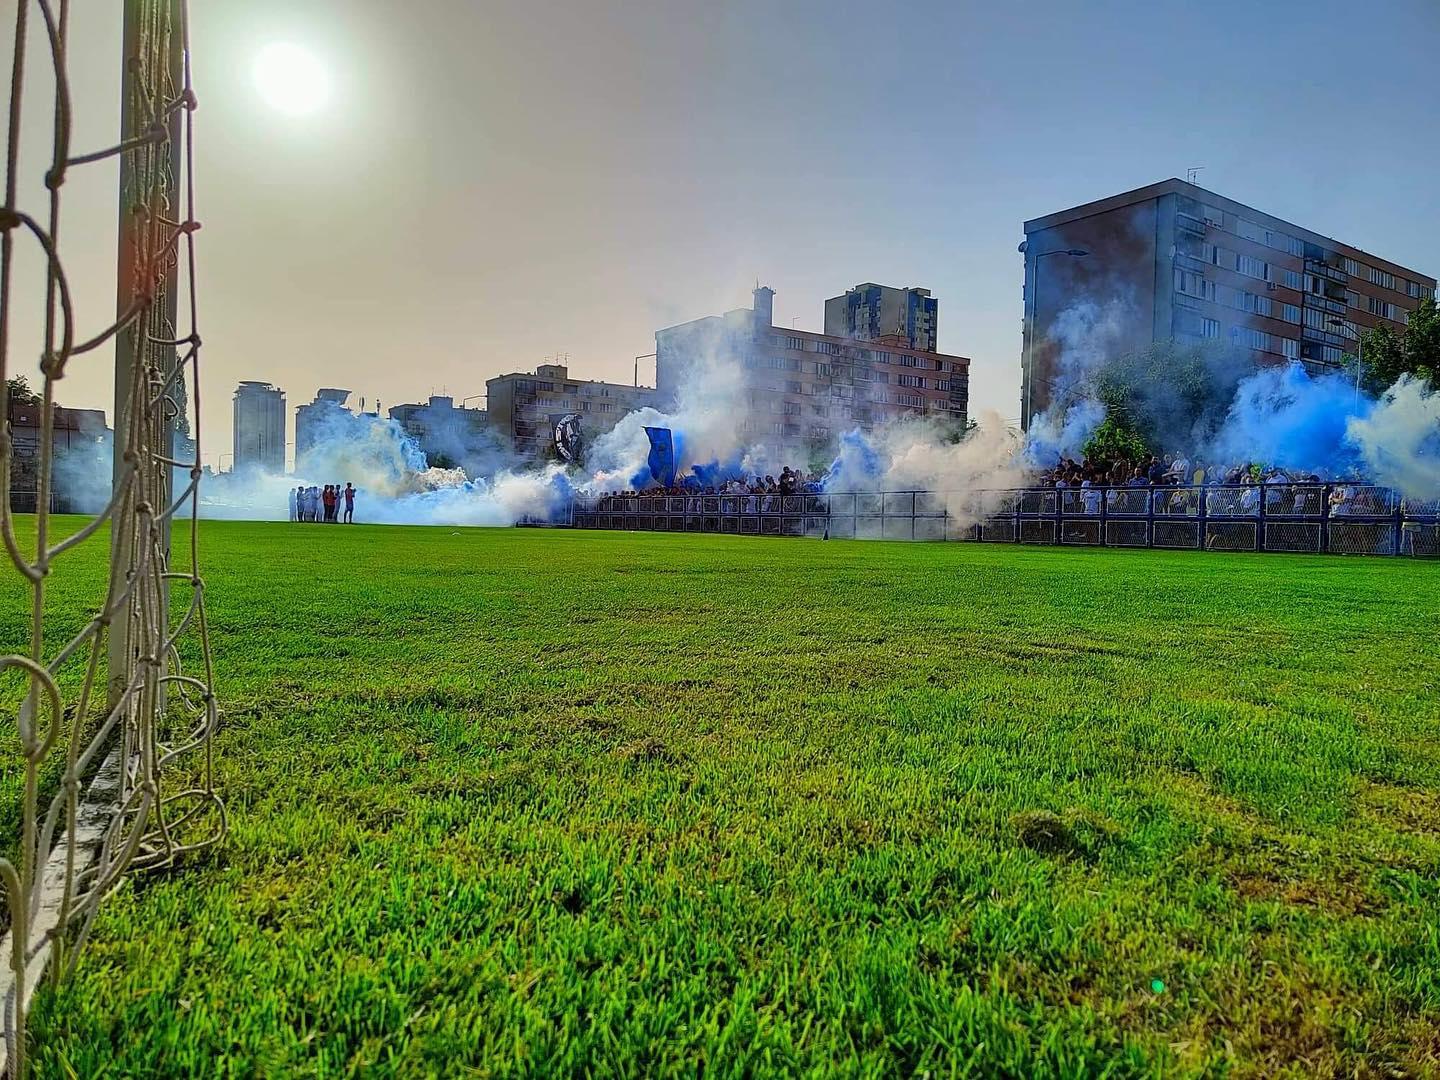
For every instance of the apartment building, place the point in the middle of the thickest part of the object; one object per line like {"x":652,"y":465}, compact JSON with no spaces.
{"x":523,"y":406}
{"x":883,"y":314}
{"x":448,"y":436}
{"x":803,"y":389}
{"x":1175,"y":261}
{"x":259,"y":427}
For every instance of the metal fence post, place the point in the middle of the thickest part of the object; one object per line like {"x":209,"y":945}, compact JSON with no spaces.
{"x":1260,"y":520}
{"x":1325,"y":519}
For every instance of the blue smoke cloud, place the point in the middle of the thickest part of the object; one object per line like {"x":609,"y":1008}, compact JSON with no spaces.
{"x":1284,"y":416}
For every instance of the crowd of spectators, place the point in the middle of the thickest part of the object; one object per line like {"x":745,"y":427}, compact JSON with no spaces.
{"x":790,"y":482}
{"x":1287,"y":491}
{"x":1173,"y":470}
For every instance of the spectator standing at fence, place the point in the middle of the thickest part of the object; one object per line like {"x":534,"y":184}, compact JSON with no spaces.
{"x":294,"y":502}
{"x":349,"y":503}
{"x":327,"y":500}
{"x":1091,"y":495}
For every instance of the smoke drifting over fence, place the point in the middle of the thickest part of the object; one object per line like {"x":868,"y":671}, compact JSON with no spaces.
{"x":1209,"y":403}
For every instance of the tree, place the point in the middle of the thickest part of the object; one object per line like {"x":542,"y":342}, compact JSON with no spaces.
{"x":1115,"y":439}
{"x":18,"y":388}
{"x":1388,"y":355}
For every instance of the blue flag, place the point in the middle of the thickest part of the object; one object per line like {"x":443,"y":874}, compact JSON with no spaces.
{"x":662,"y":455}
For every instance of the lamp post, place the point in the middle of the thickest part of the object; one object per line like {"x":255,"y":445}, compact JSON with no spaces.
{"x":1359,"y":356}
{"x":1029,"y":363}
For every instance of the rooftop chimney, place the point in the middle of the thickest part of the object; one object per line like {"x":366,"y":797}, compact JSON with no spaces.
{"x":764,"y":305}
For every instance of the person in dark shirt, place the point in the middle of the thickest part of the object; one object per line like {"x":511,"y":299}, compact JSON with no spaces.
{"x":349,"y":503}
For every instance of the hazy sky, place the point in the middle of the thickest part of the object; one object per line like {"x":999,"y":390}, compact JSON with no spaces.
{"x":493,"y":183}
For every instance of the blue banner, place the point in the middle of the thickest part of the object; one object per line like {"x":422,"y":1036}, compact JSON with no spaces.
{"x":662,"y":455}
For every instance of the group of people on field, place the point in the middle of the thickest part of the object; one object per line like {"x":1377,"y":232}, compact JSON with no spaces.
{"x":326,"y":504}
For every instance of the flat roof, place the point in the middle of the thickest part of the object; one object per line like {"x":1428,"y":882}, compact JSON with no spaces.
{"x":1176,"y":186}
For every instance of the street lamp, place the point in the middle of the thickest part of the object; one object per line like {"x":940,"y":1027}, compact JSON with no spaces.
{"x":1029,"y":362}
{"x":1359,"y":355}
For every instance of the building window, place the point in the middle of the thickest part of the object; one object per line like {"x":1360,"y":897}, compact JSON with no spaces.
{"x":1350,"y":266}
{"x":910,"y":380}
{"x":1255,"y":339}
{"x":1210,"y":328}
{"x":828,"y":347}
{"x":1253,"y":267}
{"x":1291,"y":279}
{"x":915,"y":401}
{"x":1192,"y":284}
{"x":1290,"y":347}
{"x":1382,"y":278}
{"x":1383,"y":308}
{"x":1290,"y":313}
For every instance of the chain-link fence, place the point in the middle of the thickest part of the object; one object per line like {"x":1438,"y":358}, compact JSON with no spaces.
{"x":1350,"y":519}
{"x":115,"y":736}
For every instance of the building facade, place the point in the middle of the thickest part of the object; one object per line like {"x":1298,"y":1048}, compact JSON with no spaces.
{"x":81,"y":449}
{"x":804,"y":389}
{"x":1175,"y":261}
{"x":881,"y":313}
{"x":259,"y":429}
{"x":522,"y":406}
{"x":448,"y":436}
{"x":311,"y":419}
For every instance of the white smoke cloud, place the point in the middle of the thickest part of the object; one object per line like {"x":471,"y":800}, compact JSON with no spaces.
{"x":1399,"y":440}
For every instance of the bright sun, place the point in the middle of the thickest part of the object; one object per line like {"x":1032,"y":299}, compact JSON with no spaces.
{"x":291,"y":79}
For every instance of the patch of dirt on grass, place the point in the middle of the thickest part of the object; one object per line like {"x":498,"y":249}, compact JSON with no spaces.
{"x":650,"y":749}
{"x":1042,"y":831}
{"x":1343,"y":894}
{"x":1408,"y":809}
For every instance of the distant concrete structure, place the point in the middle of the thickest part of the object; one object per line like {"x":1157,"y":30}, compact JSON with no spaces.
{"x":884,"y":314}
{"x":522,"y":405}
{"x":259,"y":428}
{"x":447,"y":435}
{"x":310,"y":418}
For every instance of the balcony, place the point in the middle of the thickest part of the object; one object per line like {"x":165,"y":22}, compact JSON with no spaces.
{"x":1186,"y":223}
{"x":1335,"y":307}
{"x":1325,"y":270}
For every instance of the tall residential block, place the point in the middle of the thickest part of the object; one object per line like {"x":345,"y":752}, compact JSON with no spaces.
{"x":884,"y":314}
{"x":313,"y":418}
{"x":1175,"y":261}
{"x":259,"y":427}
{"x":803,"y":389}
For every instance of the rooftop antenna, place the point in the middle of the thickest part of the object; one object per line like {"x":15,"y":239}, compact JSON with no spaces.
{"x":1192,"y":173}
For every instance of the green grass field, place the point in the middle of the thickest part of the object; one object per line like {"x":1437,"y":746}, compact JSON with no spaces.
{"x":509,"y":802}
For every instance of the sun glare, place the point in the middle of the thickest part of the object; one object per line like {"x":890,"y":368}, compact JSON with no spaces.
{"x":291,"y":79}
